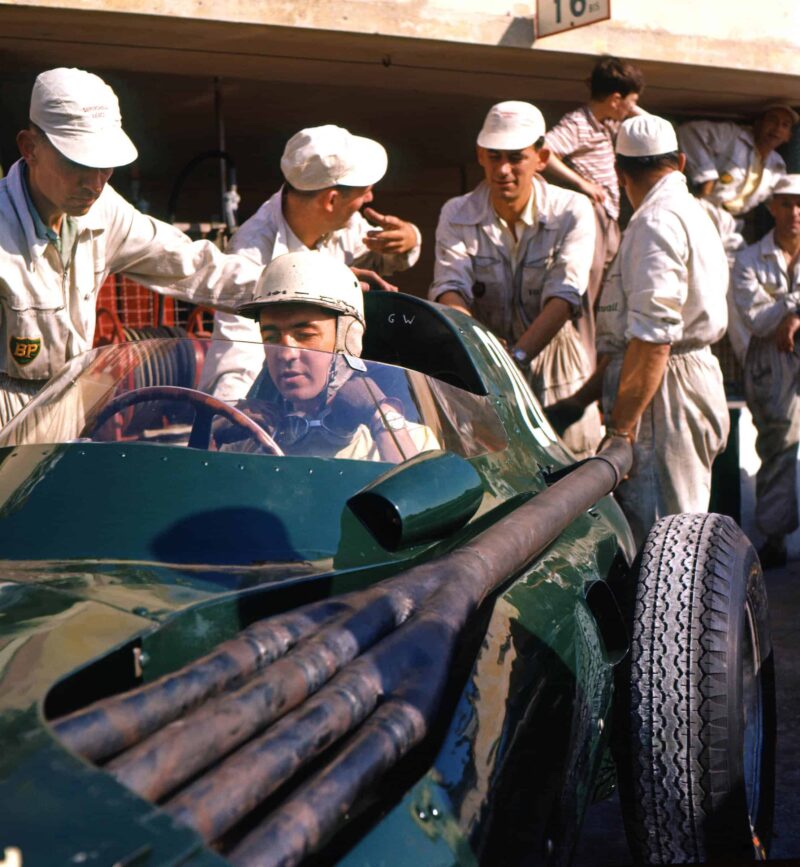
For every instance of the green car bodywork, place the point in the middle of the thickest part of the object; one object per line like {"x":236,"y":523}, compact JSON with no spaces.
{"x":123,"y":561}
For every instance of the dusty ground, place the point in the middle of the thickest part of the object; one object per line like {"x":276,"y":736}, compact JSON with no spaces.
{"x":602,"y":843}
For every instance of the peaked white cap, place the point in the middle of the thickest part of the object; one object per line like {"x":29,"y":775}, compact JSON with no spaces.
{"x":511,"y":126}
{"x":788,"y":185}
{"x":325,"y":156}
{"x":646,"y":135}
{"x":79,"y":114}
{"x":781,"y":106}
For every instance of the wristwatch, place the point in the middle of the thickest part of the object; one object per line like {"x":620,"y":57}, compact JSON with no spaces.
{"x":521,"y":358}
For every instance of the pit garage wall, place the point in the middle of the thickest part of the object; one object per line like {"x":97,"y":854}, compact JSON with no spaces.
{"x":416,"y":75}
{"x":729,"y":33}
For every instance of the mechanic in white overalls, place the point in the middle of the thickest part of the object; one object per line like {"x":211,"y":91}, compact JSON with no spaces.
{"x":63,"y":230}
{"x":515,"y":253}
{"x":766,"y":290}
{"x":329,"y":176}
{"x":309,"y":308}
{"x":733,"y":169}
{"x":663,"y":306}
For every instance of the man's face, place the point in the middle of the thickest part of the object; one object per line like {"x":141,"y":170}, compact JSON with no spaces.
{"x":347,"y":202}
{"x":509,"y":173}
{"x":786,"y":213}
{"x":287,"y":330}
{"x":773,"y":129}
{"x":67,"y":186}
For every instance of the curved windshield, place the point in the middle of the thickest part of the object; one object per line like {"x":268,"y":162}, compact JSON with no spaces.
{"x":303,"y":402}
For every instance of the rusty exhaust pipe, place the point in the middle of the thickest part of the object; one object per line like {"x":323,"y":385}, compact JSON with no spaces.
{"x":385,"y":662}
{"x":169,"y":757}
{"x":116,"y":723}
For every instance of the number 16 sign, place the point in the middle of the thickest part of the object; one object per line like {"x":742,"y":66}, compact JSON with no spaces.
{"x":555,"y":16}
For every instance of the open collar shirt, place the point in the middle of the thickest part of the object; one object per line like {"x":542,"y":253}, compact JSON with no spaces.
{"x":506,"y":286}
{"x":726,"y":153}
{"x":47,"y":307}
{"x":764,"y":290}
{"x":266,"y":235}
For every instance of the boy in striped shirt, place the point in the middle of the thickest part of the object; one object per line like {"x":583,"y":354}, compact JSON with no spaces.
{"x":582,"y":157}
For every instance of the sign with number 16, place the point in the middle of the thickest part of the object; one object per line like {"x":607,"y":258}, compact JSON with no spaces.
{"x":555,"y":16}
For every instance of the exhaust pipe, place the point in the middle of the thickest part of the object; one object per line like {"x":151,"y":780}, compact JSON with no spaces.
{"x":372,"y":665}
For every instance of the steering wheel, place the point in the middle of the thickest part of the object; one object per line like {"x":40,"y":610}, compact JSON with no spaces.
{"x":206,"y":407}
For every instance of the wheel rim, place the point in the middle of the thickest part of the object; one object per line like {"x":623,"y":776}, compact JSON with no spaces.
{"x":753,"y":715}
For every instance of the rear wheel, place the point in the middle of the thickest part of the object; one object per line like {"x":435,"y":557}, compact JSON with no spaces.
{"x":698,"y":700}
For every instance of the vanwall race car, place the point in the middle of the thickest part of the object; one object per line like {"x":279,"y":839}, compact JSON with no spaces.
{"x":232,"y":636}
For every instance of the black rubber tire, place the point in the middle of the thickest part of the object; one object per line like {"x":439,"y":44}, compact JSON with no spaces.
{"x":696,"y":753}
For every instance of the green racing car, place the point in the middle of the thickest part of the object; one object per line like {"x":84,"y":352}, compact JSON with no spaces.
{"x":220,"y":643}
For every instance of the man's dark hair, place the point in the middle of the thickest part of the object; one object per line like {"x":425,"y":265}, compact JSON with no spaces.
{"x":344,"y":189}
{"x":638,"y":166}
{"x":612,"y":75}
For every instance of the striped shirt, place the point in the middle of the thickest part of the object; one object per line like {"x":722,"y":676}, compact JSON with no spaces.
{"x":586,"y":145}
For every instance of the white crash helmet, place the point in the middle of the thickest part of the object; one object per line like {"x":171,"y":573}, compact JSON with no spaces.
{"x":309,"y":277}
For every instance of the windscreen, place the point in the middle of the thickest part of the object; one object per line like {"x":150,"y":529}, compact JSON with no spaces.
{"x":302,"y":403}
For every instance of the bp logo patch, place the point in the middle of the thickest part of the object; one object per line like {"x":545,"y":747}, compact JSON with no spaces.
{"x":25,"y":349}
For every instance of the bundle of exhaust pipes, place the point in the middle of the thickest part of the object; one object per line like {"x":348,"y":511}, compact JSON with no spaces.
{"x":367,"y":669}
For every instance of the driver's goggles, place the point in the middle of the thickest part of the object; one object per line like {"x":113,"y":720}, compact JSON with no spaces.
{"x":293,"y":428}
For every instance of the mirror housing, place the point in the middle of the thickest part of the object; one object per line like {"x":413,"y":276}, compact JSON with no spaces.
{"x":421,"y":500}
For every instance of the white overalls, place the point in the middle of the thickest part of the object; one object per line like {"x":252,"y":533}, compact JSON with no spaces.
{"x":506,"y":286}
{"x":231,"y":368}
{"x":668,"y":285}
{"x":764,"y":293}
{"x":47,"y":308}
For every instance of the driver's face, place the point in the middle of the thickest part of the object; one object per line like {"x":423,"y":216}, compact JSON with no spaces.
{"x":291,"y":328}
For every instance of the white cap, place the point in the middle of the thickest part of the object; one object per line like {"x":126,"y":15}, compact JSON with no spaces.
{"x":788,"y":185}
{"x":511,"y":126}
{"x":308,"y":277}
{"x":646,"y":135}
{"x":324,"y":156}
{"x":782,"y":106}
{"x":79,"y":114}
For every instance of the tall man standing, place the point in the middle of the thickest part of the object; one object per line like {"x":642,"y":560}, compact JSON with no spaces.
{"x":329,"y":174}
{"x":663,"y":306}
{"x":63,"y":229}
{"x":515,"y":253}
{"x":766,"y":291}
